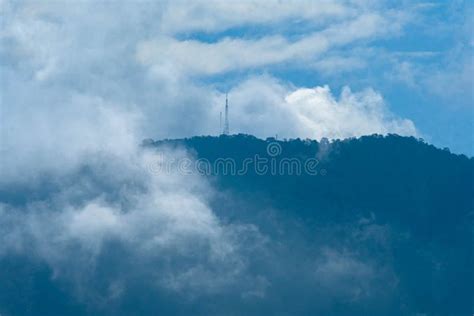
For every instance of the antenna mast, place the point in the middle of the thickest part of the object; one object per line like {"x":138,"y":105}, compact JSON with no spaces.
{"x":226,"y":116}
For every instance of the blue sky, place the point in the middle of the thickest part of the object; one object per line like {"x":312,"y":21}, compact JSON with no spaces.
{"x":405,"y":68}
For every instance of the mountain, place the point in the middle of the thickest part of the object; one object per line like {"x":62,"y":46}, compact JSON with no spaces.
{"x":376,"y":225}
{"x":396,"y":200}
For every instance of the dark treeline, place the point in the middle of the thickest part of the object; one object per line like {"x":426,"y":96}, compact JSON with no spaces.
{"x":424,"y":194}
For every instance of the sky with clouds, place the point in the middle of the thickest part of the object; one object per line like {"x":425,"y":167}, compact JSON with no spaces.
{"x":293,"y":68}
{"x":82,"y":83}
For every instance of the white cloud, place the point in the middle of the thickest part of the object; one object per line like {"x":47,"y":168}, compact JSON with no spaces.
{"x":194,"y":57}
{"x":53,"y":54}
{"x":451,"y":81}
{"x":77,"y":162}
{"x":56,"y":136}
{"x":159,"y":218}
{"x":264,"y":107}
{"x":217,"y":15}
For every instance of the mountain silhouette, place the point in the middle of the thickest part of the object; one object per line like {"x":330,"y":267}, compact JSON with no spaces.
{"x":376,"y":225}
{"x":423,"y":195}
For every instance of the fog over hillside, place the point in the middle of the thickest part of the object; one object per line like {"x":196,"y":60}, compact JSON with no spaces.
{"x":374,"y":225}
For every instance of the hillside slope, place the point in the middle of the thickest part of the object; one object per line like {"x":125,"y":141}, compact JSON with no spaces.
{"x":235,"y":225}
{"x":396,"y":199}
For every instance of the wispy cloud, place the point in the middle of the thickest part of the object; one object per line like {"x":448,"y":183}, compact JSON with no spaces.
{"x":194,"y":57}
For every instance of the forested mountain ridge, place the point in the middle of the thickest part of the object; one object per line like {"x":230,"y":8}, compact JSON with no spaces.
{"x":359,"y":173}
{"x":423,"y":195}
{"x":236,"y":225}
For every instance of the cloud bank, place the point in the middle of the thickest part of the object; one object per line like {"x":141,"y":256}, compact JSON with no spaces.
{"x":263,"y":106}
{"x":154,"y":67}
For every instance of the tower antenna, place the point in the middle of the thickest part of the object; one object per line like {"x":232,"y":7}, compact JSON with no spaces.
{"x":226,"y":116}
